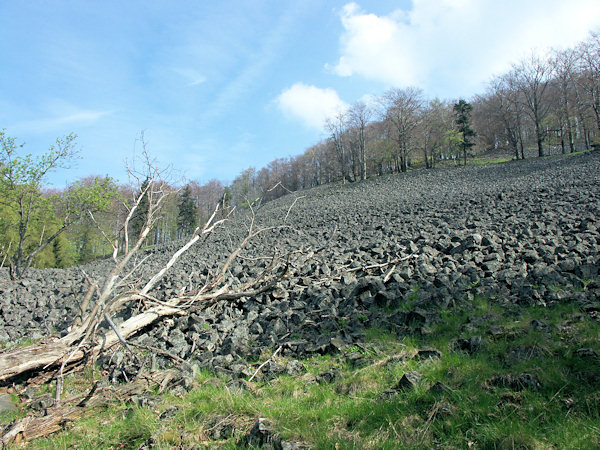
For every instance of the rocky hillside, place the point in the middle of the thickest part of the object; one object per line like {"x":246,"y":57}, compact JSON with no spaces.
{"x":400,"y":249}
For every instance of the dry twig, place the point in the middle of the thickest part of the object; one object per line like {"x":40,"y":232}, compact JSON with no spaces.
{"x":265,"y":363}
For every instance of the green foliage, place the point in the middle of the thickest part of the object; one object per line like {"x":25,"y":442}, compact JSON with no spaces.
{"x":101,"y":197}
{"x":21,"y":179}
{"x":454,"y":141}
{"x":243,"y":188}
{"x":84,"y":238}
{"x":64,"y":252}
{"x":26,"y":173}
{"x":30,"y":219}
{"x":96,"y":194}
{"x":187,"y":219}
{"x":489,"y":161}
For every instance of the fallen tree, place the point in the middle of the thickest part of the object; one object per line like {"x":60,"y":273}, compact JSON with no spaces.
{"x":95,"y":332}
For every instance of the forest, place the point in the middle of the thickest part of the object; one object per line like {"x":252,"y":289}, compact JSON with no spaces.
{"x":544,"y":105}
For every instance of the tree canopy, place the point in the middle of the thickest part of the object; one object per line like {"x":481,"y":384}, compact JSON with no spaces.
{"x":31,"y":220}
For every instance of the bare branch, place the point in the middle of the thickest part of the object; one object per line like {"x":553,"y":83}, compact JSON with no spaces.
{"x":121,"y":338}
{"x":113,"y":244}
{"x":291,"y":206}
{"x":265,"y":363}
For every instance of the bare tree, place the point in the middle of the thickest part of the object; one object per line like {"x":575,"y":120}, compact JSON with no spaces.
{"x":359,"y":117}
{"x":564,"y":66}
{"x":338,"y":136}
{"x":505,"y":108}
{"x":531,"y":78}
{"x":207,"y":196}
{"x":402,"y":113}
{"x":490,"y":132}
{"x":382,"y":147}
{"x":589,"y":80}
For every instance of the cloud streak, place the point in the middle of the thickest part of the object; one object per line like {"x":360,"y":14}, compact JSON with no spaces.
{"x":255,"y":65}
{"x":80,"y":117}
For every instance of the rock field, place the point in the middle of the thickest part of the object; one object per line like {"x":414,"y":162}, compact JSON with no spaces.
{"x":519,"y":233}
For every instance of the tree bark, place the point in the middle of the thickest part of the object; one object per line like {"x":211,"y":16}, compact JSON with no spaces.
{"x":50,"y":354}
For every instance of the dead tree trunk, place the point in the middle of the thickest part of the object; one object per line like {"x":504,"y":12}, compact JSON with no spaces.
{"x":87,"y":339}
{"x":84,"y":340}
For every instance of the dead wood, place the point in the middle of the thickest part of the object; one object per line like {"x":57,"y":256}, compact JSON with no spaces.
{"x":87,"y":338}
{"x":33,"y":426}
{"x":265,"y":363}
{"x":382,"y":265}
{"x":43,"y":356}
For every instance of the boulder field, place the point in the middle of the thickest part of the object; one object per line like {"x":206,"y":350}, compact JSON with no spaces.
{"x":400,"y":249}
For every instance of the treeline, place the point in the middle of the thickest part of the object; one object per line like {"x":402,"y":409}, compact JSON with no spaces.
{"x":543,"y":104}
{"x":183,"y":209}
{"x":60,"y":228}
{"x":91,"y":218}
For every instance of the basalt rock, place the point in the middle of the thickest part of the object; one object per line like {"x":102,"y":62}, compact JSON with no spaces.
{"x":520,"y":234}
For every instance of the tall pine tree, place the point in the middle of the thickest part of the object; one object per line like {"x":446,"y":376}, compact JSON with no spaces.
{"x":187,"y":219}
{"x":463,"y":109}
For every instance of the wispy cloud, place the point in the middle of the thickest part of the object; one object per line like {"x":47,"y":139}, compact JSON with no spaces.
{"x":312,"y":105}
{"x":256,"y":64}
{"x":78,"y":118}
{"x":437,"y":43}
{"x":191,"y":76}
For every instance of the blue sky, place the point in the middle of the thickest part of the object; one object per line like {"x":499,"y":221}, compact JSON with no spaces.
{"x":219,"y":87}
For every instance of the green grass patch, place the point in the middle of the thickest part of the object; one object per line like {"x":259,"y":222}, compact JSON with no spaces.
{"x":482,"y":161}
{"x":483,"y":406}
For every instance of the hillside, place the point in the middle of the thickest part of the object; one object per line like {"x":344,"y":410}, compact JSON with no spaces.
{"x":482,"y":281}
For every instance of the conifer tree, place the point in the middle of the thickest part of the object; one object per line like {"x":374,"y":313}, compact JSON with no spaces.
{"x":463,"y":109}
{"x":187,"y":218}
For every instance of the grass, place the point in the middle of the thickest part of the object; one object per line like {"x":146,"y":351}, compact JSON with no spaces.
{"x":483,"y":161}
{"x":7,"y":345}
{"x":350,"y":412}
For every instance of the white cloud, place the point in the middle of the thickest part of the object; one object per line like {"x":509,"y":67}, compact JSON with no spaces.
{"x":370,"y":100}
{"x":310,"y":104}
{"x":452,"y":46}
{"x":373,"y":47}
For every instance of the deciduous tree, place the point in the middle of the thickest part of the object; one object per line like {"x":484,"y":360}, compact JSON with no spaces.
{"x":359,"y":117}
{"x":531,"y":78}
{"x":589,"y":80}
{"x":21,"y":180}
{"x":337,"y":127}
{"x":402,"y":113}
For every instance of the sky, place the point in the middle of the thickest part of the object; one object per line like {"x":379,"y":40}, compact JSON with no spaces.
{"x":218,"y":87}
